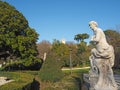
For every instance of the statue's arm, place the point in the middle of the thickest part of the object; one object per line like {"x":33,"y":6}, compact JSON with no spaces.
{"x":96,"y":37}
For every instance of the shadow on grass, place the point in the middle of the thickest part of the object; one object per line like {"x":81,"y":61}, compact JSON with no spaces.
{"x":78,"y":80}
{"x":35,"y":85}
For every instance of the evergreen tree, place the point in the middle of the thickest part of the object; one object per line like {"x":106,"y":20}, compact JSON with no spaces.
{"x":81,"y":37}
{"x":16,"y":37}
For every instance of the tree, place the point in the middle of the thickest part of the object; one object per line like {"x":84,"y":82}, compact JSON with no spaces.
{"x":82,"y":45}
{"x":59,"y":48}
{"x":62,"y":52}
{"x":113,"y":38}
{"x":43,"y":47}
{"x":16,"y":37}
{"x":82,"y":49}
{"x":81,"y":37}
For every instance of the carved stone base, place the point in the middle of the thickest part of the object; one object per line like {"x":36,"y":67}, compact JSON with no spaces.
{"x":105,"y":88}
{"x":93,"y":80}
{"x":90,"y":83}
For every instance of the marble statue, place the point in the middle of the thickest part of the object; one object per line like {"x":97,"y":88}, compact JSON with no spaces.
{"x":102,"y":60}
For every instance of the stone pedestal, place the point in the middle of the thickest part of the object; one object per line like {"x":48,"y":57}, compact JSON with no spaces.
{"x":93,"y":80}
{"x":89,"y":83}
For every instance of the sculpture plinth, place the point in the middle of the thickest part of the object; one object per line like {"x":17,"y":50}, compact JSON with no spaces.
{"x":102,"y":61}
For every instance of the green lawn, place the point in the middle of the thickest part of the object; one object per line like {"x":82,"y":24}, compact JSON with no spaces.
{"x":20,"y":80}
{"x":70,"y":81}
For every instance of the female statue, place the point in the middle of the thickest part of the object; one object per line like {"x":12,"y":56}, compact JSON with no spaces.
{"x":102,"y":60}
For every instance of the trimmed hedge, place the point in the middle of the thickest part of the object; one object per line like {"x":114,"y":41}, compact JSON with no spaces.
{"x":51,"y":70}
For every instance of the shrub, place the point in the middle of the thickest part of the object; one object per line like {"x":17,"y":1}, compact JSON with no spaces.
{"x":51,"y":70}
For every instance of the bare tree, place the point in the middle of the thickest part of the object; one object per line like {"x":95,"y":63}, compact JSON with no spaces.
{"x":44,"y":48}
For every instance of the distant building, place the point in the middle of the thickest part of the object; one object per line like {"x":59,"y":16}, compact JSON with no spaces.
{"x":63,"y":41}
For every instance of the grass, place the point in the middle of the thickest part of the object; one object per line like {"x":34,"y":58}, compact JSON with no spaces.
{"x":23,"y":78}
{"x":20,"y":80}
{"x":68,"y":82}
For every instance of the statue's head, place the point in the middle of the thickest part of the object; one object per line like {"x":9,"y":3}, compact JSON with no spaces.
{"x":93,"y":24}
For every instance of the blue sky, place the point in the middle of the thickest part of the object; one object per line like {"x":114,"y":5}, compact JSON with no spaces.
{"x":58,"y":19}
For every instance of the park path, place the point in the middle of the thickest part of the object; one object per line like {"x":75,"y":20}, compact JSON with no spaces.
{"x":75,"y":68}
